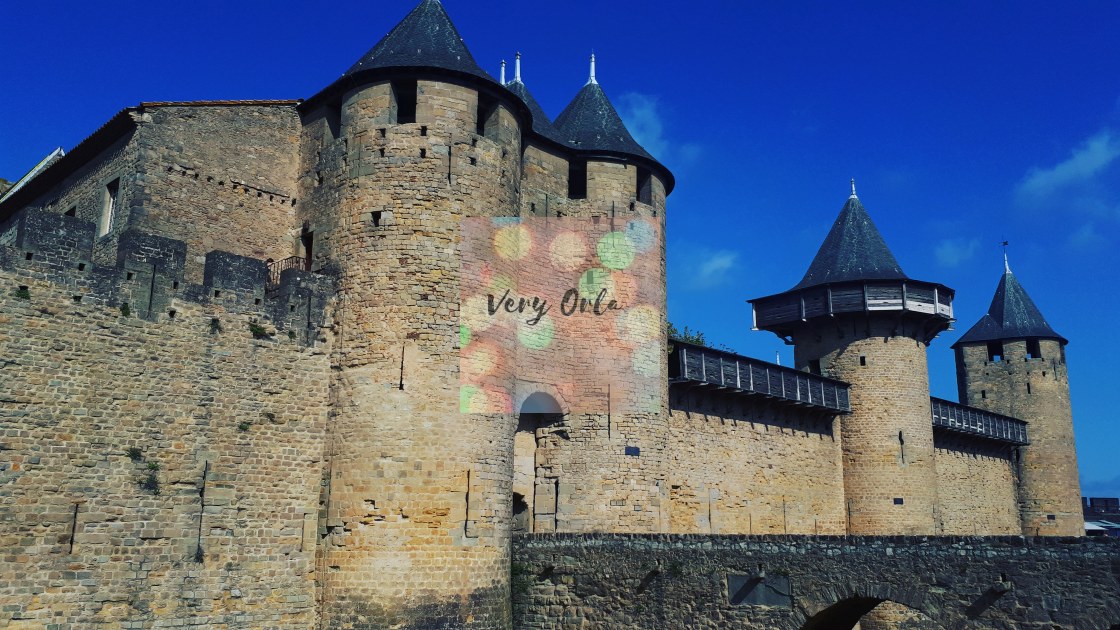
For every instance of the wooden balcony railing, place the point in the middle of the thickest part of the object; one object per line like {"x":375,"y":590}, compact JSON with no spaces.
{"x":958,"y":418}
{"x":700,"y":366}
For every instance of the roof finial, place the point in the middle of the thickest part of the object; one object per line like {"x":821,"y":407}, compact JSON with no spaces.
{"x":592,"y":79}
{"x":1006,"y":266}
{"x":517,"y":68}
{"x":853,"y":196}
{"x":502,"y":77}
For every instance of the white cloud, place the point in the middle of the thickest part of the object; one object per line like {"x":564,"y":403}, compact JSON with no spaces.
{"x":1086,"y":237}
{"x":711,"y":269}
{"x":645,"y":119}
{"x":1082,"y":166}
{"x":951,"y":252}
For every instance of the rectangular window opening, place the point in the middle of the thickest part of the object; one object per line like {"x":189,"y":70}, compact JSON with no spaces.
{"x":995,"y":351}
{"x":376,"y":217}
{"x":404,"y":101}
{"x":815,"y":366}
{"x":644,"y":193}
{"x":108,"y":206}
{"x":486,"y":116}
{"x":1034,"y":349}
{"x":577,"y":179}
{"x":863,"y":360}
{"x":333,"y":118}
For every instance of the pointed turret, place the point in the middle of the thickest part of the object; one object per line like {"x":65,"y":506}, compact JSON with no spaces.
{"x":1013,"y":363}
{"x":541,"y":123}
{"x":853,"y":250}
{"x":591,"y":123}
{"x":1012,"y":315}
{"x":854,"y":272}
{"x":425,"y":38}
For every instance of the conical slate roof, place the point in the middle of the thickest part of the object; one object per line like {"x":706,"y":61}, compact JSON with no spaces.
{"x":1012,"y":315}
{"x":590,"y":123}
{"x":425,"y":38}
{"x":853,"y":250}
{"x":541,"y":124}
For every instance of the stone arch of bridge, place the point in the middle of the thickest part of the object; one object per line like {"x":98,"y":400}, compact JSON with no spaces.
{"x":842,"y":606}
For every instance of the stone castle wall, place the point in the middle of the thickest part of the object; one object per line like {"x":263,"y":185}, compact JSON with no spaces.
{"x":159,"y":460}
{"x":749,"y":468}
{"x":975,"y":488}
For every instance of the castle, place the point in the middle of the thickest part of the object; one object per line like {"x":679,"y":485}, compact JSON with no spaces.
{"x":230,"y":348}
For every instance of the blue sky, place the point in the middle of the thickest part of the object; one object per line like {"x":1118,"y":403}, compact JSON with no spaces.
{"x":963,"y":123}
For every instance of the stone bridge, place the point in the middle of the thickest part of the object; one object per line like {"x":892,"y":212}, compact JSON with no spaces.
{"x":711,"y":581}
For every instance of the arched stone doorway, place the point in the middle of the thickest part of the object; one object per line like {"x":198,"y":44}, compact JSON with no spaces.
{"x":870,"y":613}
{"x":536,"y":478}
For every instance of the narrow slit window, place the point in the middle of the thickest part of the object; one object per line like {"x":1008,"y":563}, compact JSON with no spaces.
{"x":404,"y":100}
{"x":108,"y":206}
{"x":577,"y":179}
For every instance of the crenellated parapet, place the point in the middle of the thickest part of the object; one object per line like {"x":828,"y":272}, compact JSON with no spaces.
{"x":148,"y":279}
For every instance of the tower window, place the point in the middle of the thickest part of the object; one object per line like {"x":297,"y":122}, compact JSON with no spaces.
{"x":815,"y":366}
{"x":486,"y":116}
{"x":577,"y":179}
{"x":108,"y":207}
{"x":404,"y":97}
{"x":1034,"y":349}
{"x":995,"y":351}
{"x":983,"y":394}
{"x":863,"y":360}
{"x":333,"y":117}
{"x":644,"y":193}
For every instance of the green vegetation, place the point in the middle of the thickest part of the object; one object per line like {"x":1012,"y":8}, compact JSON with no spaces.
{"x":259,"y":332}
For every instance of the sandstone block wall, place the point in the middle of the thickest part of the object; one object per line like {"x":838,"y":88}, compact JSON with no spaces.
{"x":219,"y":177}
{"x":158,"y":468}
{"x":746,"y":467}
{"x":1036,"y":390}
{"x":976,"y":488}
{"x":889,"y":478}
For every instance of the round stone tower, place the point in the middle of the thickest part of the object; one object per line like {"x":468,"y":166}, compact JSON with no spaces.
{"x":413,"y":138}
{"x":857,"y":317}
{"x":417,"y":495}
{"x":1012,"y":362}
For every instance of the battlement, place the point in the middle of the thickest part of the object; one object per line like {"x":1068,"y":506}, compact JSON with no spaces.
{"x":148,"y":277}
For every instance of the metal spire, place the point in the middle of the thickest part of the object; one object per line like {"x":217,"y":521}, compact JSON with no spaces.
{"x":517,"y":68}
{"x":853,"y":196}
{"x":502,"y":77}
{"x":592,"y":79}
{"x":1006,"y":266}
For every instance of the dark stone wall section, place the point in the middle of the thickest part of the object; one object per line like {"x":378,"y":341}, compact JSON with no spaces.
{"x":703,"y":581}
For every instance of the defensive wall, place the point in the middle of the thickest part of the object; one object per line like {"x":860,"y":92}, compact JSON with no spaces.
{"x":765,"y":582}
{"x":161,"y":441}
